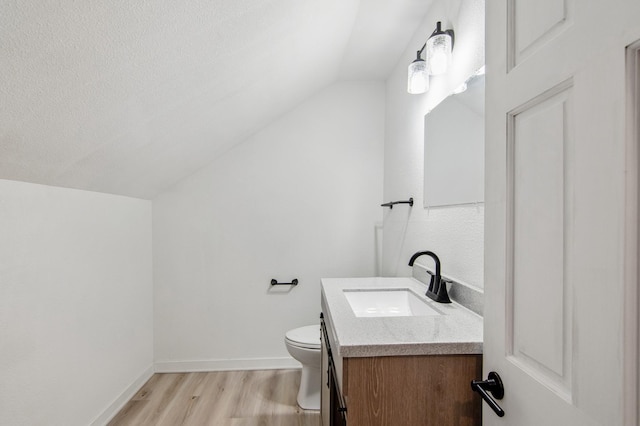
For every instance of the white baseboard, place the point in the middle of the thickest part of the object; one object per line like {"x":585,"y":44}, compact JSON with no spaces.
{"x":226,"y":365}
{"x":124,"y":397}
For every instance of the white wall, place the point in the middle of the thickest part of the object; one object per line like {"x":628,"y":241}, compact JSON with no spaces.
{"x":300,"y":199}
{"x":454,"y":233}
{"x":75,"y":303}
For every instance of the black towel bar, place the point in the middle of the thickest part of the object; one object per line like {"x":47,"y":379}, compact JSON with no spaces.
{"x":390,"y":204}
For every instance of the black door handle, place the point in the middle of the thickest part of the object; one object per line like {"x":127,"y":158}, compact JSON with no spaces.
{"x":493,"y":384}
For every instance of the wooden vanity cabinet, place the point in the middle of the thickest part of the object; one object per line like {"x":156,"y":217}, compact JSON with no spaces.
{"x":424,"y":390}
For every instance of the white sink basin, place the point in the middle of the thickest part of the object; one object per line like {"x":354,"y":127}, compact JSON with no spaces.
{"x":388,"y":303}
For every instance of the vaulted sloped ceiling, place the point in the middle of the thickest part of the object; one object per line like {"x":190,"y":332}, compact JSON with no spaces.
{"x":128,"y":96}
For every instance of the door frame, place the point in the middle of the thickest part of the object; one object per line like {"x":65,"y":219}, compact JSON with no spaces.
{"x":632,"y":240}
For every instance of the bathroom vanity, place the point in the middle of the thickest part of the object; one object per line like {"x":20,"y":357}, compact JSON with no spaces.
{"x":388,"y":360}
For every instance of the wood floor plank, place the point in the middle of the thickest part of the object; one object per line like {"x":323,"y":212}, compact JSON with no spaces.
{"x":216,"y":398}
{"x":129,"y":413}
{"x":184,"y":402}
{"x":229,"y":398}
{"x":145,"y":391}
{"x":249,"y":403}
{"x":160,"y":400}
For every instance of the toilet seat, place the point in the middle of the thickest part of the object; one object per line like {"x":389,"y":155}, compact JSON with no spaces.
{"x":307,"y":337}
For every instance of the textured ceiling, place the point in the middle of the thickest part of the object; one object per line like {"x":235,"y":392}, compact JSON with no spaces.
{"x":128,"y":97}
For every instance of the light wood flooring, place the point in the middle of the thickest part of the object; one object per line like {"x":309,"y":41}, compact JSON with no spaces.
{"x":226,"y":398}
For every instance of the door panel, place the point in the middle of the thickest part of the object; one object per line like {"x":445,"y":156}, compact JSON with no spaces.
{"x":539,"y":340}
{"x":533,"y":24}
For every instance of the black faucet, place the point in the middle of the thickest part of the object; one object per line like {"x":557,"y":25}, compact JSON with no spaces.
{"x":437,"y":287}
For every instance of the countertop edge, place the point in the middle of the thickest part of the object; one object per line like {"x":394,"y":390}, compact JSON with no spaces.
{"x":412,"y":349}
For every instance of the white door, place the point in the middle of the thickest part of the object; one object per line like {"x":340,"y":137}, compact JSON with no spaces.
{"x":560,"y":247}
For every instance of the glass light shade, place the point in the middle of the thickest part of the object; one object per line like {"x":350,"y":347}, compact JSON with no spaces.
{"x":439,"y":53}
{"x":418,"y":77}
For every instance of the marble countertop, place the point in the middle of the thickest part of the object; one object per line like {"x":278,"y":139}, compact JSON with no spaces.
{"x":457,"y":331}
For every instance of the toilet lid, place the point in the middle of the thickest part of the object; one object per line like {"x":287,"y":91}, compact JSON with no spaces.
{"x":306,"y":337}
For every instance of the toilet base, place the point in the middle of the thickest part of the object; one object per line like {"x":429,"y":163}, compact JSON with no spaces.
{"x":309,"y":392}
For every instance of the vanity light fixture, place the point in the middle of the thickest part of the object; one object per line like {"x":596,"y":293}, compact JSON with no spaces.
{"x":418,"y":75}
{"x":439,"y":47}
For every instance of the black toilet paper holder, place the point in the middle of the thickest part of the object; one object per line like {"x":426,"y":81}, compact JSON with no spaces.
{"x":293,"y":282}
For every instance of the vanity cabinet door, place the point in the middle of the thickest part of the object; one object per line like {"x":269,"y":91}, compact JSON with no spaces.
{"x":428,"y":390}
{"x":325,"y":401}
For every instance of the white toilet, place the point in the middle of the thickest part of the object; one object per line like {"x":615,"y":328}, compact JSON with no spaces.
{"x":304,"y":345}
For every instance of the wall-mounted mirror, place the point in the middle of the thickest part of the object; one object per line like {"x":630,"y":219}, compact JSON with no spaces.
{"x":454,"y":148}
